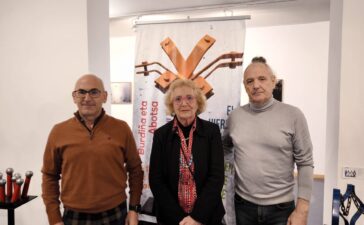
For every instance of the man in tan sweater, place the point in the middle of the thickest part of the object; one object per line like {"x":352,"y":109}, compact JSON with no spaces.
{"x":93,"y":154}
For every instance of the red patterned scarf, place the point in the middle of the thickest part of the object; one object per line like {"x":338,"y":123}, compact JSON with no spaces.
{"x":186,"y":185}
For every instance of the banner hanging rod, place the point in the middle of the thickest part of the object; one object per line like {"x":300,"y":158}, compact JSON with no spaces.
{"x":191,"y":20}
{"x":225,"y":6}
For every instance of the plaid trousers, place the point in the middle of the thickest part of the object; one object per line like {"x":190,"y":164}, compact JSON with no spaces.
{"x":115,"y":216}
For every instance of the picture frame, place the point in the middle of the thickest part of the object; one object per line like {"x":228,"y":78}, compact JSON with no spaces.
{"x":278,"y":90}
{"x":121,"y":93}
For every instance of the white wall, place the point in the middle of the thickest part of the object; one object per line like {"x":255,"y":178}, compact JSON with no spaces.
{"x":351,"y":139}
{"x":351,"y":124}
{"x":298,"y":54}
{"x":44,"y":48}
{"x":333,"y":107}
{"x":122,"y":60}
{"x":345,"y":100}
{"x":98,"y":41}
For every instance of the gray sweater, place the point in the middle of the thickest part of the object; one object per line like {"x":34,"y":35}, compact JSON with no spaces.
{"x":267,"y":142}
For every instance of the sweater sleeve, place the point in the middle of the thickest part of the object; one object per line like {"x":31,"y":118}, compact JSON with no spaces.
{"x":305,"y":179}
{"x":134,"y":168}
{"x":303,"y":156}
{"x":51,"y":171}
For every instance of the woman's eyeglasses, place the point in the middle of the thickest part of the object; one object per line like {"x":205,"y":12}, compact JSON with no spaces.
{"x":179,"y":99}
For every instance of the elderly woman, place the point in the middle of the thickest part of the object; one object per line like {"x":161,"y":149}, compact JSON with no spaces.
{"x":186,"y":173}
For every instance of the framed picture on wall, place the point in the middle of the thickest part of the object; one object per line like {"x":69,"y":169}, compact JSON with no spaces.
{"x":278,"y":90}
{"x":121,"y":93}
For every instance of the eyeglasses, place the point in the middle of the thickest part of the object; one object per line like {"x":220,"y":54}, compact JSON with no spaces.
{"x":81,"y":93}
{"x":188,"y":98}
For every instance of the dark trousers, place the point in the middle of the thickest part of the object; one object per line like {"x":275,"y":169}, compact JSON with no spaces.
{"x":248,"y":213}
{"x":115,"y":216}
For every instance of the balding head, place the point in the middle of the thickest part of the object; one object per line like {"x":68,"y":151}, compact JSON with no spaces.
{"x":90,"y":78}
{"x":89,"y":95}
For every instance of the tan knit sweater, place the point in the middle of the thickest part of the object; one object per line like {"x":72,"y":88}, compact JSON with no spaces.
{"x":93,"y":167}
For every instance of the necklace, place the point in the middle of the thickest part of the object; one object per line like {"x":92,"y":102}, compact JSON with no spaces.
{"x":183,"y":161}
{"x":186,"y":157}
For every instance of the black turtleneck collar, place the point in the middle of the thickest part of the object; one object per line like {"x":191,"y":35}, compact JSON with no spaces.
{"x":186,"y":130}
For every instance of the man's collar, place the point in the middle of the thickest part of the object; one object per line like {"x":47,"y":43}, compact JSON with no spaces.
{"x":263,"y":107}
{"x":82,"y":120}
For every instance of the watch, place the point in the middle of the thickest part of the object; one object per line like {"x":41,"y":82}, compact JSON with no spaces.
{"x":136,"y":208}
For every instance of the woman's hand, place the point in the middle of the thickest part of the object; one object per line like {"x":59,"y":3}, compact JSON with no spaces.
{"x":188,"y":220}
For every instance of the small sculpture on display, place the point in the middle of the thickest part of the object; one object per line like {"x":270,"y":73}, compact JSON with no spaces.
{"x":10,"y":188}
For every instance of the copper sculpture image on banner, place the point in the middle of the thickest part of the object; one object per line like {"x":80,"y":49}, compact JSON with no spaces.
{"x":185,"y":68}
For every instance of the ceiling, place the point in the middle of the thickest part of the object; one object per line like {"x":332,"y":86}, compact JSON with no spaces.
{"x":128,"y":8}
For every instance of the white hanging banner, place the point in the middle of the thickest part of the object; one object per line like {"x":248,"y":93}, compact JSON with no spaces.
{"x":210,"y":53}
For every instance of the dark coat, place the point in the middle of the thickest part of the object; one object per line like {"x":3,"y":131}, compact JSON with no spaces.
{"x":208,"y":158}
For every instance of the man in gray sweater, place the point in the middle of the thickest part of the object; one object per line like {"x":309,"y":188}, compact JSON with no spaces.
{"x":268,"y":137}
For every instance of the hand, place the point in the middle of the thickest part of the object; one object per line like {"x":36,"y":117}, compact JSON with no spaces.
{"x":188,"y":220}
{"x":131,"y":218}
{"x":59,"y":223}
{"x":300,"y":214}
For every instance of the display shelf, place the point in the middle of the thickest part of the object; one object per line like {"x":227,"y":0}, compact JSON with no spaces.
{"x":12,"y":206}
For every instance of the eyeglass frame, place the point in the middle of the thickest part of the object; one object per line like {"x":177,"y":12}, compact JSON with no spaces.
{"x":179,"y":99}
{"x":77,"y":93}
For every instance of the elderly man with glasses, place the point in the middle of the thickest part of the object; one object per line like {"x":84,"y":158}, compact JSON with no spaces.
{"x":92,"y":154}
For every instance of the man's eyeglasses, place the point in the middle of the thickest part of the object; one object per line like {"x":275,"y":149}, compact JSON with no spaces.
{"x":81,"y":93}
{"x":188,"y":98}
